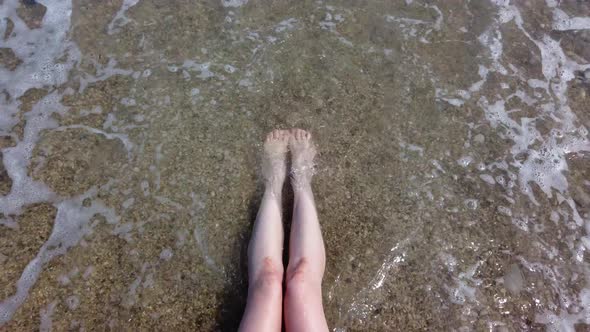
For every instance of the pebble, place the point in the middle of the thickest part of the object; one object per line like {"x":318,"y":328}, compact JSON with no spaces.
{"x":513,"y":279}
{"x":479,"y":138}
{"x":166,"y":254}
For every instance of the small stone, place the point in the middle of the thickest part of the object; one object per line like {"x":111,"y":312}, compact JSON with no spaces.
{"x":513,"y":279}
{"x":479,"y":138}
{"x":32,"y":13}
{"x":6,"y":141}
{"x":166,"y":254}
{"x":319,"y":103}
{"x":9,"y":28}
{"x":8,"y":59}
{"x":5,"y":180}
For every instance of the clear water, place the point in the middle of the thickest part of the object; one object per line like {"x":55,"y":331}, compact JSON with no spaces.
{"x":454,"y":175}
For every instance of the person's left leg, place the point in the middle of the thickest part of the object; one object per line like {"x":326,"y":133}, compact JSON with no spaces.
{"x":265,"y":265}
{"x":303,"y":309}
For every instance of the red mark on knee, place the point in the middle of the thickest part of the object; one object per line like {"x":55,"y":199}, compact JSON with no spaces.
{"x":299,"y":272}
{"x":270,"y":275}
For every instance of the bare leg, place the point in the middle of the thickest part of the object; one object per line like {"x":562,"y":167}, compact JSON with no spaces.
{"x":307,"y":258}
{"x":265,"y":266}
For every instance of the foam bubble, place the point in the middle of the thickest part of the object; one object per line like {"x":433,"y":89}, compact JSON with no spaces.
{"x":73,"y":302}
{"x":233,"y":3}
{"x":166,"y":254}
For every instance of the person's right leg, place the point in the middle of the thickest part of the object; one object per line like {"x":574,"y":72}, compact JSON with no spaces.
{"x":265,"y":263}
{"x":303,"y":298}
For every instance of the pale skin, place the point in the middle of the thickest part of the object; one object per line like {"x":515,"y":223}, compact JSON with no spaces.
{"x":302,"y":304}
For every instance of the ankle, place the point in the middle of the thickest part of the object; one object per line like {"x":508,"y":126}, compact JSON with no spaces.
{"x":301,"y":188}
{"x":273,"y":191}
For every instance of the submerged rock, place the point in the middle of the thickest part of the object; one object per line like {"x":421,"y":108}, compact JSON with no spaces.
{"x":514,"y":280}
{"x":32,"y":13}
{"x":9,"y":28}
{"x":5,"y":180}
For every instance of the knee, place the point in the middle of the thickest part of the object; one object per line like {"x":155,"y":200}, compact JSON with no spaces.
{"x":270,"y":277}
{"x":300,"y":276}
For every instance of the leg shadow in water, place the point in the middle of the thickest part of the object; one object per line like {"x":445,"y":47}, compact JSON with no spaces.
{"x":233,"y":300}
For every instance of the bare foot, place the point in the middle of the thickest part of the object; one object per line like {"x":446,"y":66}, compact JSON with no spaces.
{"x":302,"y":152}
{"x":274,"y":166}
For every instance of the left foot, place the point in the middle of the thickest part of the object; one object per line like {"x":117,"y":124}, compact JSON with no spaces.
{"x":302,"y":165}
{"x":274,"y":166}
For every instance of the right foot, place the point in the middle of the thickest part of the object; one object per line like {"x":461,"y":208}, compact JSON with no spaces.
{"x":274,"y":167}
{"x":302,"y":153}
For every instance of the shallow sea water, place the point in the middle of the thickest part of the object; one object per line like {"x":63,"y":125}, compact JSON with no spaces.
{"x":453,"y":181}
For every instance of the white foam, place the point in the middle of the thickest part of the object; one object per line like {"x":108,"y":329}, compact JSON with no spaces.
{"x":71,"y":224}
{"x":286,"y":25}
{"x":202,"y":68}
{"x":39,"y":50}
{"x":363,"y":302}
{"x":545,"y":155}
{"x":464,"y":287}
{"x":330,"y":23}
{"x":103,"y":72}
{"x":562,"y":21}
{"x":439,"y":18}
{"x":25,"y":190}
{"x":233,"y":3}
{"x":46,"y":313}
{"x":121,"y":18}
